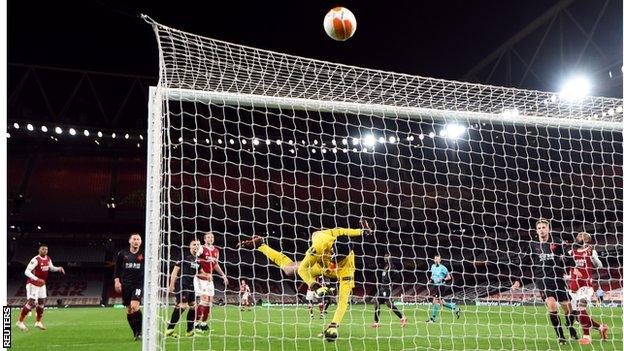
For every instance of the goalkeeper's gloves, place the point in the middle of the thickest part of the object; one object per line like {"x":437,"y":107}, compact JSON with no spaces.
{"x":321,"y":292}
{"x":366,"y":229}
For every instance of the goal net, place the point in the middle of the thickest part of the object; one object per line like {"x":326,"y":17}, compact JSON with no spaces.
{"x":244,"y":141}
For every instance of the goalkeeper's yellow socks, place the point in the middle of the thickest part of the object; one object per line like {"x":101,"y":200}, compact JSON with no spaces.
{"x":344,"y":293}
{"x":275,"y":256}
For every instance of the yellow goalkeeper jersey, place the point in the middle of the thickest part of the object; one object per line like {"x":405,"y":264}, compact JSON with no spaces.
{"x":323,"y":240}
{"x":322,"y":244}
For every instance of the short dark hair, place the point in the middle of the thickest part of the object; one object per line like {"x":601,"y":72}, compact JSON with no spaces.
{"x":342,"y":247}
{"x":43,"y":245}
{"x":133,"y":234}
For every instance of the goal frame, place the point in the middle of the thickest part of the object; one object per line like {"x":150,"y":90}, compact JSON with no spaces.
{"x":152,"y":220}
{"x":158,"y":96}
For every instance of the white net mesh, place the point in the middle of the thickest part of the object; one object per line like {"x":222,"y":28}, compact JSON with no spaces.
{"x":246,"y":141}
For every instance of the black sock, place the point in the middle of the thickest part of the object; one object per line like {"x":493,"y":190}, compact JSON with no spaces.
{"x":377,"y":312}
{"x":570,"y":318}
{"x":326,"y":305}
{"x":135,"y":319}
{"x":130,"y":317}
{"x":395,"y":310}
{"x":190,"y":319}
{"x":139,"y":321}
{"x":175,"y":317}
{"x":554,"y":319}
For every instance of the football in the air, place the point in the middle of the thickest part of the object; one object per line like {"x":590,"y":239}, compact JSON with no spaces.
{"x":340,"y":23}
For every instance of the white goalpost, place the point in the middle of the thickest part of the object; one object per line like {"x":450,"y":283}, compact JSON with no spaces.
{"x":244,"y":141}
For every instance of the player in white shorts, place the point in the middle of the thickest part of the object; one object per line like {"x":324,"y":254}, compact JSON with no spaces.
{"x":311,"y":299}
{"x":37,"y":273}
{"x":245,"y":294}
{"x":581,"y":285}
{"x":208,"y":259}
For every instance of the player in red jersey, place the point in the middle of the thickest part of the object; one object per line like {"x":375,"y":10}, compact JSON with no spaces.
{"x":208,"y":259}
{"x":245,"y":294}
{"x":37,"y":273}
{"x":581,"y":285}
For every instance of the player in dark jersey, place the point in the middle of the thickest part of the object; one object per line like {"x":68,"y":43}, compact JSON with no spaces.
{"x":384,"y":292}
{"x":129,"y":282}
{"x":547,"y":259}
{"x":185,"y":269}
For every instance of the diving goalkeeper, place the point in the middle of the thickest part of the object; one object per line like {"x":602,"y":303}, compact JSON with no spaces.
{"x":330,"y":255}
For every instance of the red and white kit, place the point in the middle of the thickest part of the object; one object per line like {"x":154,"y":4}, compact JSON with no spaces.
{"x":37,"y":273}
{"x":310,"y":294}
{"x":581,"y":284}
{"x":208,"y":258}
{"x":244,"y":292}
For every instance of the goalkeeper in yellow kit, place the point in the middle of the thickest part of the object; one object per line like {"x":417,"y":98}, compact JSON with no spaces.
{"x":330,"y":255}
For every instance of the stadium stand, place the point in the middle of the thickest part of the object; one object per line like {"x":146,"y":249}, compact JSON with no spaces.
{"x":86,"y":185}
{"x":76,"y":288}
{"x":80,"y":184}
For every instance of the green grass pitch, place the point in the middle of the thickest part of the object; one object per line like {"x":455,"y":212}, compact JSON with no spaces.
{"x":290,"y":328}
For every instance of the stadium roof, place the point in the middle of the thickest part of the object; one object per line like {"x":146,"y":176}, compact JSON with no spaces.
{"x":532,"y":45}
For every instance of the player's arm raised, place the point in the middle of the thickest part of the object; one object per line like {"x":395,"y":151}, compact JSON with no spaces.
{"x":365,"y":230}
{"x":200,"y":250}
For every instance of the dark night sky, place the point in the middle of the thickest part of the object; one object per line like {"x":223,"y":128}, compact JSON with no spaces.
{"x":441,"y":39}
